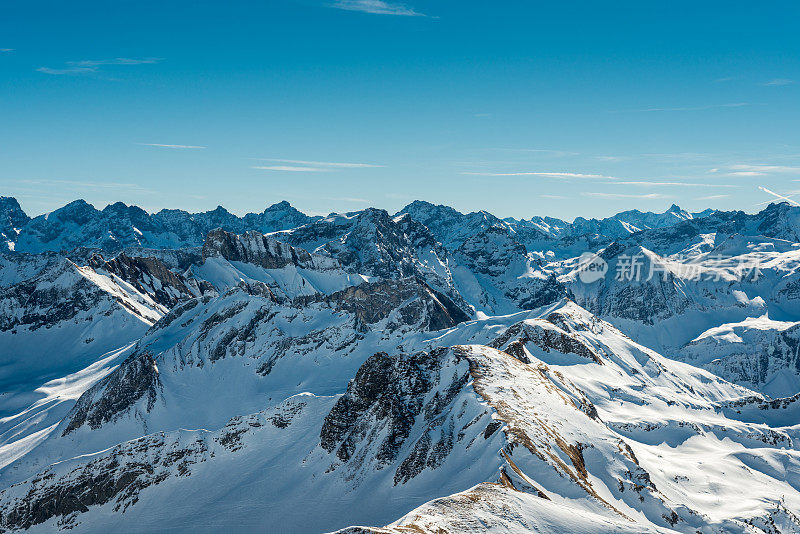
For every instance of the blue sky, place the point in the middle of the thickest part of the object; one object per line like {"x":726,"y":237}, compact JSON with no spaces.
{"x":519,"y":108}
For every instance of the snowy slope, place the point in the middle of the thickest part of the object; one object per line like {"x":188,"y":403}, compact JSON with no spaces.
{"x":573,"y":415}
{"x":424,"y":372}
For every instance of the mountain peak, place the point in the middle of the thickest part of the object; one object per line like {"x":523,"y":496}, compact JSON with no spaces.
{"x":283,"y":204}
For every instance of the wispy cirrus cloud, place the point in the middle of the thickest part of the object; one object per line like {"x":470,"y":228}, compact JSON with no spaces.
{"x":686,"y":108}
{"x":302,"y":165}
{"x":4,"y":50}
{"x":89,"y":66}
{"x":322,"y":163}
{"x":72,"y":184}
{"x":543,"y":151}
{"x":289,"y":168}
{"x":115,"y":61}
{"x":754,"y":170}
{"x":623,"y":195}
{"x":67,"y":70}
{"x":566,"y":175}
{"x":161,"y":145}
{"x":376,"y":7}
{"x":713,"y":197}
{"x":644,"y":183}
{"x":606,"y":180}
{"x":778,"y":82}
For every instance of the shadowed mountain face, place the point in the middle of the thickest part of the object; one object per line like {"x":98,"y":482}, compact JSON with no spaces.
{"x":428,"y":371}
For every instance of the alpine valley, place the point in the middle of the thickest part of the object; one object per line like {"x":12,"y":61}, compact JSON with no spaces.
{"x":427,"y":371}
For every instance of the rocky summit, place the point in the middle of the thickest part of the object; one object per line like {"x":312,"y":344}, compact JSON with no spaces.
{"x":425,"y":371}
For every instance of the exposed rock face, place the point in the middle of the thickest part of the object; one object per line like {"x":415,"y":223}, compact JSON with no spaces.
{"x":374,"y":244}
{"x":401,"y":412}
{"x":117,"y":477}
{"x":547,"y":336}
{"x":261,"y":250}
{"x":492,"y":252}
{"x":63,"y":493}
{"x":760,"y":354}
{"x":498,"y":274}
{"x":151,"y":277}
{"x":369,"y":242}
{"x":135,"y":379}
{"x":12,"y":219}
{"x":415,"y":302}
{"x":453,"y":228}
{"x":57,"y":295}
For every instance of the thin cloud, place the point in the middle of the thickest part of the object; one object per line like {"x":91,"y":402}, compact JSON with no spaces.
{"x":89,"y":66}
{"x":72,"y":184}
{"x":289,"y":168}
{"x":115,"y":61}
{"x":683,"y":156}
{"x":554,"y":197}
{"x":778,"y":82}
{"x":688,"y":108}
{"x":6,"y":50}
{"x":756,"y":170}
{"x":376,"y":7}
{"x":621,"y":195}
{"x":68,"y":70}
{"x":670,"y":184}
{"x":779,"y":197}
{"x":546,"y":151}
{"x":323,"y":163}
{"x":160,"y":145}
{"x":545,"y":174}
{"x":713,"y":197}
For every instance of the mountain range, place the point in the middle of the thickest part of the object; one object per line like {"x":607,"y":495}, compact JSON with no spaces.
{"x":423,"y":371}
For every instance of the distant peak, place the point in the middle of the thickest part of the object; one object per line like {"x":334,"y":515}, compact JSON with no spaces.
{"x":10,"y":203}
{"x":419,"y":204}
{"x":283,"y":205}
{"x":116,"y":206}
{"x":76,"y":206}
{"x":220,"y":210}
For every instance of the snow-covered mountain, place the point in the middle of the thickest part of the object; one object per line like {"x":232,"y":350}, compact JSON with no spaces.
{"x":428,"y":371}
{"x":118,"y":225}
{"x":452,"y":228}
{"x":12,"y":219}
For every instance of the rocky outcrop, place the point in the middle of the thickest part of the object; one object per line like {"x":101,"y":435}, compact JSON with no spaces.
{"x":58,"y":294}
{"x":371,"y":424}
{"x":12,"y":219}
{"x":408,"y":302}
{"x":547,"y":336}
{"x":136,"y":378}
{"x":150,"y":277}
{"x":261,"y":250}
